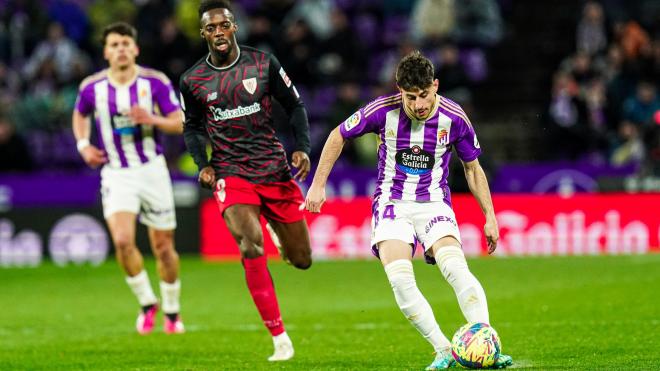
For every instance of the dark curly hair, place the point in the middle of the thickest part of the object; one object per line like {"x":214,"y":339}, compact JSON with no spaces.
{"x":121,"y":28}
{"x":207,"y":5}
{"x":414,"y":71}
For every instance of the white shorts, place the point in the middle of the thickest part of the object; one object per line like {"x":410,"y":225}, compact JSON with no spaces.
{"x":412,"y":221}
{"x":145,"y":190}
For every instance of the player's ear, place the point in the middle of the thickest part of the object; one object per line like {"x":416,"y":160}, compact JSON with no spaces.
{"x":201,"y":32}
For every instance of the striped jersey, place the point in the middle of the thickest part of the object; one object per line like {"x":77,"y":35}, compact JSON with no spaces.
{"x":413,"y":156}
{"x":127,"y":144}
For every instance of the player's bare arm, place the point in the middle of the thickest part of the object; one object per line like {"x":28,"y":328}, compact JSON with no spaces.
{"x":92,"y":156}
{"x":331,"y":151}
{"x":170,"y":124}
{"x":478,"y":183}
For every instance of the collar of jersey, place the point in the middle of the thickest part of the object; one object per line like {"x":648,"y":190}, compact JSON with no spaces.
{"x":412,"y":117}
{"x":130,"y":82}
{"x":238,"y":56}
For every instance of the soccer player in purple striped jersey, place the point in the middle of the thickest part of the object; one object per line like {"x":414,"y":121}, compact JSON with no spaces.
{"x":131,"y":104}
{"x":417,"y":130}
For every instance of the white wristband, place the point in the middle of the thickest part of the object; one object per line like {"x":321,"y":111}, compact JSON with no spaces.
{"x":82,"y":144}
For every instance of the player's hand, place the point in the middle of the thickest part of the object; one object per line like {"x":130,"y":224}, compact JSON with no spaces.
{"x":315,"y":198}
{"x":93,"y":156}
{"x":492,"y":233}
{"x":207,"y":177}
{"x":140,"y":115}
{"x":300,"y":161}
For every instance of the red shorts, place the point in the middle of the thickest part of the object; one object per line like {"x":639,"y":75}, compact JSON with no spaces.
{"x":279,"y":201}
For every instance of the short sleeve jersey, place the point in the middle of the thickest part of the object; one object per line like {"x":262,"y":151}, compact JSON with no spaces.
{"x":126,"y":143}
{"x":413,"y":156}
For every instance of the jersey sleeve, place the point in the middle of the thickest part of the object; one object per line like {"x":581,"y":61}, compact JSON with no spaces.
{"x":467,"y":145}
{"x":194,"y":128}
{"x":359,"y":124}
{"x":165,"y":97}
{"x":85,"y":100}
{"x":283,"y":90}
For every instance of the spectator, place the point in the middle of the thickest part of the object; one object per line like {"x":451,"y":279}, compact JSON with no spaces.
{"x":58,"y":50}
{"x":640,"y":109}
{"x":432,"y":21}
{"x":627,"y":146}
{"x":14,"y":155}
{"x":342,"y":55}
{"x":478,"y":23}
{"x":452,"y":78}
{"x":591,"y":34}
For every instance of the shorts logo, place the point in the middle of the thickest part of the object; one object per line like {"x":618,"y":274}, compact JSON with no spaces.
{"x":286,"y":79}
{"x":352,"y":121}
{"x":220,"y":193}
{"x":250,"y":85}
{"x":414,"y":161}
{"x":437,"y":219}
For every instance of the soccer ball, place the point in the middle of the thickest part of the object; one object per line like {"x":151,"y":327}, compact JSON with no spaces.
{"x":476,"y":345}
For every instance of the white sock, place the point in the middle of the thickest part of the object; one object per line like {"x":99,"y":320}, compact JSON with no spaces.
{"x":170,"y":293}
{"x":413,"y":304}
{"x":470,"y":294}
{"x":141,"y":287}
{"x":281,"y":338}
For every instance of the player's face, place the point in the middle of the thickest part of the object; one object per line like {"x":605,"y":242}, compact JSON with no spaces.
{"x":120,"y":50}
{"x":420,"y":102}
{"x":218,"y":29}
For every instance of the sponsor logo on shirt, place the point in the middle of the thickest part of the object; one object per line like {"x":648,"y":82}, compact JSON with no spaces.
{"x":286,"y":79}
{"x":123,"y":125}
{"x":220,"y":114}
{"x":414,"y":161}
{"x":476,"y":142}
{"x":250,"y":85}
{"x":352,"y":121}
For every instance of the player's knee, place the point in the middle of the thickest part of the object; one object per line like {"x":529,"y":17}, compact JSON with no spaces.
{"x":123,"y":242}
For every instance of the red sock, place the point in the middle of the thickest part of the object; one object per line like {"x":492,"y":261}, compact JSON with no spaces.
{"x":260,"y":284}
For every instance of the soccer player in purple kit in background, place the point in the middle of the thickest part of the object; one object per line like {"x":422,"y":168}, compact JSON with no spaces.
{"x":130,"y":105}
{"x":227,"y":98}
{"x":417,"y":130}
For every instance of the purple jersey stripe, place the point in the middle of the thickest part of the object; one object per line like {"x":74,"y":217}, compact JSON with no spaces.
{"x":382,"y":157}
{"x":430,"y":140}
{"x":112,"y":107}
{"x":137,"y":134}
{"x":403,"y":142}
{"x":157,"y":140}
{"x":99,"y":132}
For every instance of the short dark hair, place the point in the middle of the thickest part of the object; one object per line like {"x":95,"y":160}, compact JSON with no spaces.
{"x":207,"y":5}
{"x":121,"y":28}
{"x":414,"y":71}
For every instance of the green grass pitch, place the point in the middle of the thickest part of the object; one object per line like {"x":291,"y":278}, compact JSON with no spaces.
{"x":551,"y":313}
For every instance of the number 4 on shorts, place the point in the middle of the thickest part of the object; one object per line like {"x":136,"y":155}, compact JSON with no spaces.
{"x":388,"y":213}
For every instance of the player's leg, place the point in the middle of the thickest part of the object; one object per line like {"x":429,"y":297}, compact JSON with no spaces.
{"x":167,"y":262}
{"x":243,"y":223}
{"x":159,"y":215}
{"x":395,"y":255}
{"x":293,"y":240}
{"x":122,"y":230}
{"x":394,"y":239}
{"x":286,"y":222}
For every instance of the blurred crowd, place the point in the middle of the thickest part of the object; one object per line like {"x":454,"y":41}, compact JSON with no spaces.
{"x":339,"y":53}
{"x":604,"y":103}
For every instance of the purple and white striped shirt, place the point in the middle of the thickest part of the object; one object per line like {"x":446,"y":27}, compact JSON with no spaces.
{"x":127,"y":144}
{"x":413,"y":156}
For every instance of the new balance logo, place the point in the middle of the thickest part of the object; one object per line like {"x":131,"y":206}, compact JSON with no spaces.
{"x":211,"y":96}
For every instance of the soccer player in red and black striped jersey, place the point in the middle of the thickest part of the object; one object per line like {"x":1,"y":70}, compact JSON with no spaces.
{"x":227,"y":97}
